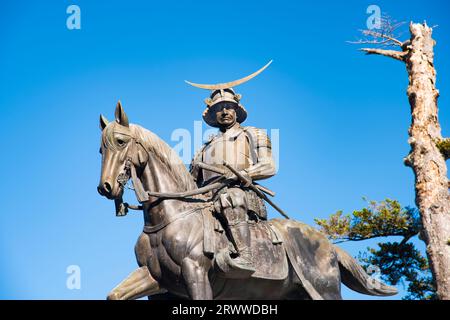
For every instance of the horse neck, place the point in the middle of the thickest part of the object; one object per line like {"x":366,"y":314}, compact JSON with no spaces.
{"x":160,"y":176}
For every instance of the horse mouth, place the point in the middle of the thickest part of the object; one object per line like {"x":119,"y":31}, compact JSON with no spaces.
{"x":114,"y":191}
{"x":111,"y":195}
{"x":122,"y":180}
{"x":116,"y":195}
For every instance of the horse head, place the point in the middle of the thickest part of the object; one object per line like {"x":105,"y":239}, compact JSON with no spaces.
{"x":127,"y":148}
{"x":118,"y":150}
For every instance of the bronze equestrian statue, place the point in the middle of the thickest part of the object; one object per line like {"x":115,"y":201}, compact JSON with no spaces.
{"x":206,"y":233}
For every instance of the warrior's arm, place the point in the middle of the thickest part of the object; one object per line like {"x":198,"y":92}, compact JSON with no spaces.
{"x":265,"y":166}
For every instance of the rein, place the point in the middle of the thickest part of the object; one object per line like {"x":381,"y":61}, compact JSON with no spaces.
{"x":162,"y":225}
{"x":129,"y":172}
{"x":143,"y":196}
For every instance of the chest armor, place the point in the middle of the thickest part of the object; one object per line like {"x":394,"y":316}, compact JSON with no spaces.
{"x":233,"y":147}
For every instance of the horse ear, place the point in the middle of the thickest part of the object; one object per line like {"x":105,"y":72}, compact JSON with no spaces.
{"x":121,"y":116}
{"x":103,"y":122}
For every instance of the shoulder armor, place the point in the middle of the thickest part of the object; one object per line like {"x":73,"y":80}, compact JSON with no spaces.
{"x":259,"y":137}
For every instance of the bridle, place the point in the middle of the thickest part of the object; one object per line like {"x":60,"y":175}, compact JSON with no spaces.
{"x":143,"y":196}
{"x":129,"y":172}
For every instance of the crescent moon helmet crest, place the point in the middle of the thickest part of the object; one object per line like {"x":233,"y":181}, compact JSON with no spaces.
{"x":230,"y":84}
{"x":223,"y":92}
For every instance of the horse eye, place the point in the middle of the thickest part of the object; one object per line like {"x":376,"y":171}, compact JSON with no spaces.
{"x":120,"y":142}
{"x":100,"y":150}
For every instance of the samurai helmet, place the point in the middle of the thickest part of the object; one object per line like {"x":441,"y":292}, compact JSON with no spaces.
{"x":223,"y":92}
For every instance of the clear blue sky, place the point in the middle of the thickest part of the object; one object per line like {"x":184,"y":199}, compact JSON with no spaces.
{"x":343,"y":117}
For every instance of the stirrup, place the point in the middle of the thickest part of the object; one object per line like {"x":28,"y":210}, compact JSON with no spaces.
{"x":244,"y":264}
{"x":233,"y":268}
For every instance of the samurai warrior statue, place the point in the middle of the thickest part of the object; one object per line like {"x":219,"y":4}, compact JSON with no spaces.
{"x":246,"y":149}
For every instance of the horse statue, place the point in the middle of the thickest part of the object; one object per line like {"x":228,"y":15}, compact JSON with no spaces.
{"x":178,"y":252}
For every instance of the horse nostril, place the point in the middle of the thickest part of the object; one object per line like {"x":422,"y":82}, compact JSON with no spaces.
{"x":107,"y":187}
{"x":100,"y":191}
{"x":104,"y":189}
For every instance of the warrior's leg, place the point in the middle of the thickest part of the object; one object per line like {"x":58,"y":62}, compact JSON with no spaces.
{"x":137,"y":285}
{"x":234,"y":207}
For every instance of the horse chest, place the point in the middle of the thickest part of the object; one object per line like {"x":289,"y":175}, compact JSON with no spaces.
{"x":167,"y":253}
{"x":164,"y":265}
{"x":170,"y":247}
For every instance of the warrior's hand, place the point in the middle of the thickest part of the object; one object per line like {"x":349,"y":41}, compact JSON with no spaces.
{"x":231,"y":176}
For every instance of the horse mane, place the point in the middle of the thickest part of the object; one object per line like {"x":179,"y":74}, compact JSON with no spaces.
{"x":168,"y":157}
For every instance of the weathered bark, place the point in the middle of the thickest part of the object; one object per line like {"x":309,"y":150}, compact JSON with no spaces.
{"x":425,"y":158}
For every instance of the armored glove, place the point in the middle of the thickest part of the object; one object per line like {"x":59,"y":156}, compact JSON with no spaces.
{"x":231,"y":176}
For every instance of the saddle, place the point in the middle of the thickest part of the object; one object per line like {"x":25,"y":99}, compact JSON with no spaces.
{"x":269,"y":255}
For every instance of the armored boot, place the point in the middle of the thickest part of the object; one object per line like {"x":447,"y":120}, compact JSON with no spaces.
{"x":241,"y":238}
{"x":238,"y":263}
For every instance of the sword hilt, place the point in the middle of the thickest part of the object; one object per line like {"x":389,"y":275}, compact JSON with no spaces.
{"x":250,"y":185}
{"x":223,"y":172}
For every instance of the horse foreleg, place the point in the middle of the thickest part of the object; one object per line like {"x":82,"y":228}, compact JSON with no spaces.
{"x":137,"y":285}
{"x":196,"y":279}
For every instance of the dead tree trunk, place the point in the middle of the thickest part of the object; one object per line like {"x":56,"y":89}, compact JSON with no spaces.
{"x":428,"y":150}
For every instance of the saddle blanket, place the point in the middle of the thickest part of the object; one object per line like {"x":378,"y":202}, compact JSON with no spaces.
{"x":269,"y":255}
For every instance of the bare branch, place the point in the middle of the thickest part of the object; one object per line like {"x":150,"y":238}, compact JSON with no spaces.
{"x":406,"y":237}
{"x":387,"y":34}
{"x":375,"y":41}
{"x":397,"y":55}
{"x":383,"y":36}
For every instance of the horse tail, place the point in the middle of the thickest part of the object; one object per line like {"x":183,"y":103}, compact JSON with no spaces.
{"x":356,"y":278}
